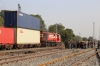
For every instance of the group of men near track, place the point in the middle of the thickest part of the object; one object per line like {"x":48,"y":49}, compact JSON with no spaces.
{"x":81,"y":44}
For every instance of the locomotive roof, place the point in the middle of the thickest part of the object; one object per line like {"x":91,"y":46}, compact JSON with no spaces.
{"x":50,"y":32}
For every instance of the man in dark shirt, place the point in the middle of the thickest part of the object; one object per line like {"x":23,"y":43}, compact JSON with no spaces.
{"x":98,"y":45}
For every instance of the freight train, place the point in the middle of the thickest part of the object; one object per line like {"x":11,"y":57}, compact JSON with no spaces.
{"x":23,"y":31}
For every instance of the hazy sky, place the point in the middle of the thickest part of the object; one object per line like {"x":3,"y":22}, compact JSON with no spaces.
{"x":78,"y":15}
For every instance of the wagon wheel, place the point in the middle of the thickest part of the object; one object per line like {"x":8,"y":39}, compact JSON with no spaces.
{"x":39,"y":45}
{"x":52,"y":44}
{"x":0,"y":47}
{"x":29,"y":45}
{"x":36,"y":45}
{"x":6,"y":47}
{"x":48,"y":44}
{"x":20,"y":46}
{"x":10,"y":47}
{"x":3,"y":47}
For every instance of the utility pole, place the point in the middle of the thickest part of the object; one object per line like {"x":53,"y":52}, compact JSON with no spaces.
{"x":56,"y":28}
{"x":48,"y":29}
{"x":99,"y":34}
{"x":93,"y":33}
{"x":79,"y":34}
{"x":19,"y":8}
{"x":93,"y":30}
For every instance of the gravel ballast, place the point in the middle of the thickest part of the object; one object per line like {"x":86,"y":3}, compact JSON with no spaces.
{"x":39,"y":60}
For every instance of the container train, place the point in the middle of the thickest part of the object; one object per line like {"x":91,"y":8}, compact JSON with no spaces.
{"x":23,"y":31}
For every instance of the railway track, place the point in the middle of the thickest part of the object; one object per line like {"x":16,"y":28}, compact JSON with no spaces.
{"x":10,"y":60}
{"x":85,"y":58}
{"x":24,"y":51}
{"x":27,"y":56}
{"x":36,"y":59}
{"x":91,"y":60}
{"x":70,"y":59}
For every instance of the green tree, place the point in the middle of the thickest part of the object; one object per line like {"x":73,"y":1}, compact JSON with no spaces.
{"x":1,"y":21}
{"x":90,"y":38}
{"x":2,"y":17}
{"x":77,"y":38}
{"x":42,"y":24}
{"x":69,"y":34}
{"x":65,"y":35}
{"x":52,"y":28}
{"x":84,"y":39}
{"x":60,"y":28}
{"x":2,"y":12}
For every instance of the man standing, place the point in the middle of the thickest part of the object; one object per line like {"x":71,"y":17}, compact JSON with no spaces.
{"x":69,"y":43}
{"x":98,"y":45}
{"x":76,"y":45}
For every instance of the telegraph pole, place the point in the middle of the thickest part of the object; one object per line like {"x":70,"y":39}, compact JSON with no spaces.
{"x":56,"y":28}
{"x":93,"y":30}
{"x":99,"y":34}
{"x":93,"y":33}
{"x":79,"y":34}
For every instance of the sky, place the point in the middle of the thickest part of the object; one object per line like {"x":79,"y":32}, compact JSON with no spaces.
{"x":78,"y":15}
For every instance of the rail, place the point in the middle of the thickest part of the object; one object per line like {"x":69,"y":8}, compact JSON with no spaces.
{"x":6,"y":52}
{"x":65,"y":57}
{"x":23,"y":57}
{"x":86,"y":58}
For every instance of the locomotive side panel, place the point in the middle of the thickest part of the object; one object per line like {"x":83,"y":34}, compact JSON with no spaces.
{"x":6,"y":35}
{"x":27,"y":36}
{"x":48,"y":36}
{"x":51,"y":37}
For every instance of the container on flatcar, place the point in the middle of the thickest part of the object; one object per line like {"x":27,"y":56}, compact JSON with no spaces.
{"x":27,"y":36}
{"x":20,"y":20}
{"x":6,"y":35}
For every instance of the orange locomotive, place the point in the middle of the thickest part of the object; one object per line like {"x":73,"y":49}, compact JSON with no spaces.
{"x":50,"y":39}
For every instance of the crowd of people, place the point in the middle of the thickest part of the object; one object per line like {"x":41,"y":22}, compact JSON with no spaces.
{"x":79,"y":44}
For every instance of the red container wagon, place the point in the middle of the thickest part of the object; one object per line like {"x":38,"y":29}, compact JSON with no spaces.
{"x":50,"y":39}
{"x":18,"y":38}
{"x":6,"y":38}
